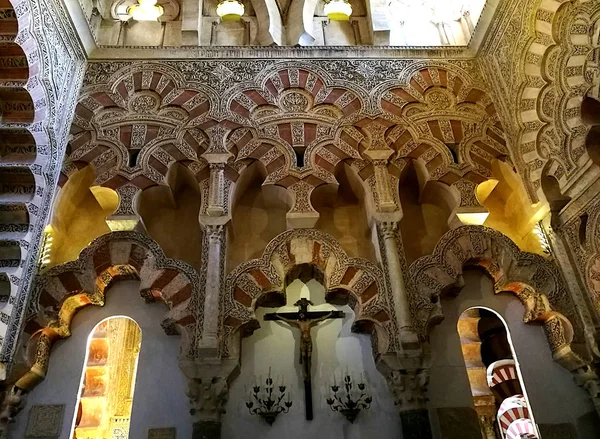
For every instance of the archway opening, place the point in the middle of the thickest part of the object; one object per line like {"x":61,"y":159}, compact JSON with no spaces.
{"x":342,"y":213}
{"x":427,"y":210}
{"x":103,"y":410}
{"x":258,"y":215}
{"x":79,"y":217}
{"x":336,"y":351}
{"x":496,"y":385}
{"x":170,"y":215}
{"x":511,"y":211}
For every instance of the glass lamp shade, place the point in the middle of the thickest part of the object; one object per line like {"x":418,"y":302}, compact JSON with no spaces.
{"x":145,"y":10}
{"x":338,"y":10}
{"x":230,"y":10}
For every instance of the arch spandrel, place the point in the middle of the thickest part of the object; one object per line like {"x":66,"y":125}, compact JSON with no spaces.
{"x":355,"y":281}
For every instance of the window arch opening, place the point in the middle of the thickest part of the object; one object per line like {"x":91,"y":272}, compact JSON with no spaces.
{"x":497,"y":387}
{"x":105,"y":400}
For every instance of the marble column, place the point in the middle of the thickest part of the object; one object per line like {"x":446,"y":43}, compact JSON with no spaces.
{"x":215,"y":238}
{"x":407,"y":373}
{"x":399,"y":293}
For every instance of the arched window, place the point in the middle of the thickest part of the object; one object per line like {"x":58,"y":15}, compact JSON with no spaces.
{"x":108,"y":380}
{"x":496,"y":384}
{"x":432,"y":22}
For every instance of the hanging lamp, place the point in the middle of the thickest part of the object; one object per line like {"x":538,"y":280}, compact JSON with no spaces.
{"x":338,"y":10}
{"x":230,"y":10}
{"x":145,"y":10}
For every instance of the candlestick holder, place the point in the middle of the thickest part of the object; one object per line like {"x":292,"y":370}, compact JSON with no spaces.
{"x":351,"y":400}
{"x":268,"y":401}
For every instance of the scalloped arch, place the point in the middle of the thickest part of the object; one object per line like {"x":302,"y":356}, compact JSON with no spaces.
{"x":253,"y":282}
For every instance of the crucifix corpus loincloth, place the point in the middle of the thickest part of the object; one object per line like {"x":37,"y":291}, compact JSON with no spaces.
{"x":305,"y":320}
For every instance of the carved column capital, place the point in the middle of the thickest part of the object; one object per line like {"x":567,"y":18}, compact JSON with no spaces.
{"x":208,"y":397}
{"x":388,"y":229}
{"x":380,"y":162}
{"x":409,"y":387}
{"x":12,"y":404}
{"x":587,"y":378}
{"x":215,"y":232}
{"x":125,"y":217}
{"x":217,"y":166}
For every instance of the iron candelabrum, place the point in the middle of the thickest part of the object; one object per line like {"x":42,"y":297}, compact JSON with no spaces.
{"x":268,"y":401}
{"x":351,"y":400}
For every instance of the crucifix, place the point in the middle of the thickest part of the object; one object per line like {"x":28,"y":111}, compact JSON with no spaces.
{"x":305,"y":320}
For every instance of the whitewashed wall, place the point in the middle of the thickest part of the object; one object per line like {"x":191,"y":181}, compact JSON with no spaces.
{"x":335,"y":347}
{"x":553,"y":395}
{"x":159,"y":397}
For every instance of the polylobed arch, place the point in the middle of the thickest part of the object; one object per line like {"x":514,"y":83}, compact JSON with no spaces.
{"x":557,"y":78}
{"x":261,"y":282}
{"x":139,"y":122}
{"x":447,"y":120}
{"x":61,"y":291}
{"x":536,"y":282}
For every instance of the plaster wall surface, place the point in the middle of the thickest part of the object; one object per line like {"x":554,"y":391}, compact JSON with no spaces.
{"x":258,"y":217}
{"x":335,"y":348}
{"x":551,"y":391}
{"x":159,"y":396}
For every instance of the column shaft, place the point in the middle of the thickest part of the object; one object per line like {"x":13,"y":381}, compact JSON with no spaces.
{"x":399,"y":293}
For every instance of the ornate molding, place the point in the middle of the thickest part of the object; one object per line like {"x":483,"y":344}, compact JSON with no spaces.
{"x":261,"y":282}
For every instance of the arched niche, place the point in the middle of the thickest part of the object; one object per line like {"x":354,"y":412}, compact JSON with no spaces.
{"x":158,"y":402}
{"x":217,"y":32}
{"x":79,"y":216}
{"x":170,"y":214}
{"x":107,"y":389}
{"x":342,"y":212}
{"x":545,"y":381}
{"x":353,"y":32}
{"x":590,"y":114}
{"x":262,"y":282}
{"x":337,"y":350}
{"x":511,"y":210}
{"x":258,"y":215}
{"x":427,"y":209}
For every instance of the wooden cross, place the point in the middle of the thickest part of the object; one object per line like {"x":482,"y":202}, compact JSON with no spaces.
{"x":305,"y":320}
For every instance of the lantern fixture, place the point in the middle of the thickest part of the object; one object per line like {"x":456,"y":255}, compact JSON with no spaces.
{"x":145,"y":10}
{"x":338,"y":10}
{"x":230,"y":10}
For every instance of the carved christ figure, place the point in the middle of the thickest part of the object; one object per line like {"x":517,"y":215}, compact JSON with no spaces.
{"x":305,"y":325}
{"x":305,"y":320}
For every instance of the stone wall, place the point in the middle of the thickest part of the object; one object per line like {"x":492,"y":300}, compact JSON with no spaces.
{"x":160,"y":389}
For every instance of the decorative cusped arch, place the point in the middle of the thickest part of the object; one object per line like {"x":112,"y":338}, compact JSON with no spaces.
{"x":261,"y":282}
{"x":534,"y":280}
{"x":60,"y":292}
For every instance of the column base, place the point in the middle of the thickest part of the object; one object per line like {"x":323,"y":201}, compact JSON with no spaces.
{"x":207,"y":430}
{"x":415,"y":424}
